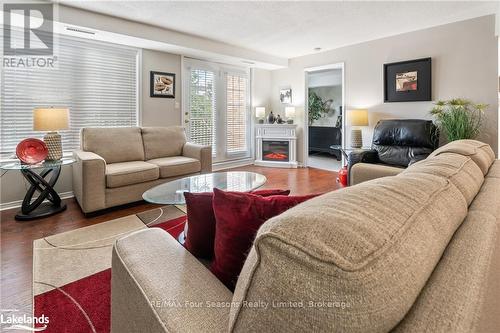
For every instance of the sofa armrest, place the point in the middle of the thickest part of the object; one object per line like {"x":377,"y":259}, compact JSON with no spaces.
{"x":367,"y":156}
{"x":362,"y":172}
{"x":201,"y":153}
{"x":158,"y":286}
{"x":89,"y":181}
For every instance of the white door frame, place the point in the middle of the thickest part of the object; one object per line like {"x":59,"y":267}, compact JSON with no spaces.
{"x":338,"y":65}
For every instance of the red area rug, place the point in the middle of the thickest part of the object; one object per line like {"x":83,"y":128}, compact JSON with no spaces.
{"x":84,"y":305}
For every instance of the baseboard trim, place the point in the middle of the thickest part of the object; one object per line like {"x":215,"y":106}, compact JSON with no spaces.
{"x":18,"y":203}
{"x":232,"y":164}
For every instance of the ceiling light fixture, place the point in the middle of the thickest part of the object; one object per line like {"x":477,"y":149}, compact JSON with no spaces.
{"x":248,"y":62}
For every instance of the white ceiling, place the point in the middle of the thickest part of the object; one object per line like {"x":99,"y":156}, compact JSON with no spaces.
{"x":291,"y":29}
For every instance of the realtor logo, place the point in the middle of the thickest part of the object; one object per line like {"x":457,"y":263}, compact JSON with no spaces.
{"x":28,"y":29}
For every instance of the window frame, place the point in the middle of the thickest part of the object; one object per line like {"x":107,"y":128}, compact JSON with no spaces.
{"x":220,"y":71}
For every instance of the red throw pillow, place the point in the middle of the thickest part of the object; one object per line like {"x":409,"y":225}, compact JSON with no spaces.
{"x":239,"y":216}
{"x":201,"y":221}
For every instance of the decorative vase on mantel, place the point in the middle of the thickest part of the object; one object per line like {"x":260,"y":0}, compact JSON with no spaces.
{"x":271,"y":118}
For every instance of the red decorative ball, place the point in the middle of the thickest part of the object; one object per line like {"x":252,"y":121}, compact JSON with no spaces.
{"x":31,"y":151}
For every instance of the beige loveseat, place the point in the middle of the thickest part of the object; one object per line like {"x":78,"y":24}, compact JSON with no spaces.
{"x":116,"y":166}
{"x":416,"y":252}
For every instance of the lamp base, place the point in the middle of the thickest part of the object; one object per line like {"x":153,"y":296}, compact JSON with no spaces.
{"x":356,"y":138}
{"x":54,"y":145}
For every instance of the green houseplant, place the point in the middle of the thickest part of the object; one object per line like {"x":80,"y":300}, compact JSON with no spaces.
{"x":459,"y":118}
{"x":317,"y":107}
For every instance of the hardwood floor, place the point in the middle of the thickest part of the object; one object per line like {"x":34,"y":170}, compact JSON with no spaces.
{"x":17,"y":237}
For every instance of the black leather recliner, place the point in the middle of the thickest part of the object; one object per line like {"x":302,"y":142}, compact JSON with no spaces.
{"x":398,"y":143}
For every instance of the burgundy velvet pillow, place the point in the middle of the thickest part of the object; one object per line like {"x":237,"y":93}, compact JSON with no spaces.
{"x":239,"y":216}
{"x":201,"y":221}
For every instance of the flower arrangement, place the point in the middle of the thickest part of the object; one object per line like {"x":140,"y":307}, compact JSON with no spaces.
{"x":459,"y":118}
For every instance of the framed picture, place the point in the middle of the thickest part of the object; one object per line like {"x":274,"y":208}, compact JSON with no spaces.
{"x":162,"y":85}
{"x":408,"y":81}
{"x":286,"y":96}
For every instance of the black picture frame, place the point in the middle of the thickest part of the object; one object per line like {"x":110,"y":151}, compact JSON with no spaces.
{"x":159,"y":79}
{"x":408,"y":81}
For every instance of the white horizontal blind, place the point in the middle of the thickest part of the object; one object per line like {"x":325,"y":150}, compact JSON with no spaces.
{"x":202,"y":107}
{"x":236,"y":113}
{"x":96,"y":81}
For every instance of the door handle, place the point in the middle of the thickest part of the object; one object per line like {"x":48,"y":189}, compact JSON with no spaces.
{"x":186,"y":121}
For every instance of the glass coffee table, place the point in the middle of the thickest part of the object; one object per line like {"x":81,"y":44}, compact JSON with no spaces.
{"x":172,"y":193}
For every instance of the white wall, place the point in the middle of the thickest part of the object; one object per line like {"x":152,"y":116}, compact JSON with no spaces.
{"x":464,"y":64}
{"x":161,"y":111}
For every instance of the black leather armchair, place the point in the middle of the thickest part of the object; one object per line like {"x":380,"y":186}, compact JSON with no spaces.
{"x":397,"y":143}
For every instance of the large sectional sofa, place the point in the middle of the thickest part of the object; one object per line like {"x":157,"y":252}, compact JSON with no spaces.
{"x":415,"y":252}
{"x":115,"y":166}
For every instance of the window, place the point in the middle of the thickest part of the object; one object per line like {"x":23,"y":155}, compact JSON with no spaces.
{"x":237,"y":113}
{"x":202,"y":108}
{"x":217,"y":109}
{"x":96,"y":81}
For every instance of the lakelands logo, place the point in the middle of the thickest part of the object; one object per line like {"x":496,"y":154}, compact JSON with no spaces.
{"x":28,"y":35}
{"x":11,"y":321}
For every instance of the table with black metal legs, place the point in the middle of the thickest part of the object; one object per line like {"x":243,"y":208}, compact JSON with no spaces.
{"x":41,"y":199}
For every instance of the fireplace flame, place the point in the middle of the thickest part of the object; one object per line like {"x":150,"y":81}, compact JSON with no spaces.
{"x":276,"y":156}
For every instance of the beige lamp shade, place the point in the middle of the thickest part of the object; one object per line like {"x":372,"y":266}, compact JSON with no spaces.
{"x":357,"y":117}
{"x":290,"y":111}
{"x":260,"y":112}
{"x":50,"y":119}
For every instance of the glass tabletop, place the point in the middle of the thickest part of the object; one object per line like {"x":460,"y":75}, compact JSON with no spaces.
{"x":172,"y":193}
{"x":349,"y":149}
{"x":18,"y":165}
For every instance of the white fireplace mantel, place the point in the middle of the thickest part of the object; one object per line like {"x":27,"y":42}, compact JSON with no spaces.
{"x":286,"y":133}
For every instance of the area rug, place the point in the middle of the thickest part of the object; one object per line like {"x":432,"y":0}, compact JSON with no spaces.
{"x":72,"y":270}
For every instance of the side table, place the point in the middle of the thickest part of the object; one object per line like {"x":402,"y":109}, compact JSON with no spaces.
{"x":346,"y":151}
{"x":33,"y":208}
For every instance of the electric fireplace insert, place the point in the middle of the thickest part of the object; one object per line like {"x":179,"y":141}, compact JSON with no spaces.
{"x":276,"y":150}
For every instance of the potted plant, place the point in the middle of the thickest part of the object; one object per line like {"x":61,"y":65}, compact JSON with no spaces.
{"x":459,"y":118}
{"x":317,"y":107}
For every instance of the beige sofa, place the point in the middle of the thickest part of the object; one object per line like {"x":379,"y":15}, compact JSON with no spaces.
{"x":416,"y":252}
{"x":116,"y":166}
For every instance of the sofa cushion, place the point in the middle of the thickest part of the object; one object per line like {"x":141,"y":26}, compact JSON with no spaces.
{"x":201,"y":217}
{"x":238,"y":217}
{"x":366,"y":251}
{"x":452,"y":298}
{"x":128,"y":173}
{"x":163,"y":141}
{"x":115,"y":144}
{"x":461,"y":170}
{"x":494,"y":171}
{"x":176,"y":166}
{"x":481,"y":153}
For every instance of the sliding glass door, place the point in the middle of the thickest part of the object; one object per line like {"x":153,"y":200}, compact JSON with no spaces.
{"x":217,"y":110}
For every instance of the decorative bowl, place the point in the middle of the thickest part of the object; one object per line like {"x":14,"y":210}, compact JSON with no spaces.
{"x":31,"y":151}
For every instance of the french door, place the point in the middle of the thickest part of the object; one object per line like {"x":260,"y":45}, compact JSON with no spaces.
{"x":217,"y":110}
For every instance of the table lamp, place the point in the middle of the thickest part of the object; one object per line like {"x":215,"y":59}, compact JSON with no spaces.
{"x":357,"y":118}
{"x":289,"y":114}
{"x":260,"y":112}
{"x":51,"y":120}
